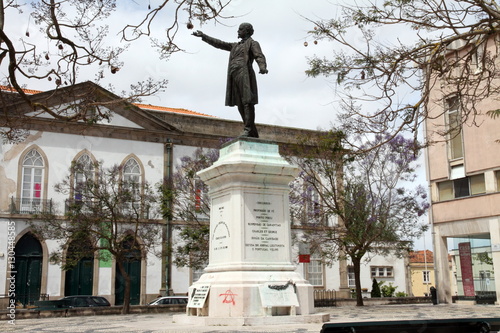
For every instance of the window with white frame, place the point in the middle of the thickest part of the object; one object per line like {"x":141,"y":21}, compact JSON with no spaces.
{"x":84,"y":169}
{"x":381,"y":271}
{"x":426,"y":276}
{"x":478,"y":57}
{"x":497,"y":177}
{"x":315,"y":270}
{"x":312,"y":204}
{"x":200,"y":199}
{"x":32,"y":181}
{"x":132,"y":179}
{"x":461,"y":187}
{"x":132,"y":171}
{"x":454,"y":124}
{"x":351,"y":282}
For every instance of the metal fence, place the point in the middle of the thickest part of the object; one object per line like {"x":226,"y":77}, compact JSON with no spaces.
{"x":481,"y":297}
{"x":128,"y":209}
{"x":30,"y":206}
{"x":325,"y":298}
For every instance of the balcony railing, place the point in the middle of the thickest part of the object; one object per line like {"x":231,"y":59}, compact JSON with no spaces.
{"x":86,"y":207}
{"x":30,"y":206}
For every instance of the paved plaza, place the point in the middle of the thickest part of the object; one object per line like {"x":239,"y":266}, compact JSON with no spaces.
{"x":163,"y":322}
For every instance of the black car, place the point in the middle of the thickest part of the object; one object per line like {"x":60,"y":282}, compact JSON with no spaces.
{"x":84,"y":301}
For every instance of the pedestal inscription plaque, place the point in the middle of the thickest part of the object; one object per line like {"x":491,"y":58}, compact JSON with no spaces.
{"x":266,"y":231}
{"x":277,"y":297}
{"x":220,"y":234}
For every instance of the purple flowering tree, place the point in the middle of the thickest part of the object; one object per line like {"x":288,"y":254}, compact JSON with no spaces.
{"x":106,"y":217}
{"x":364,"y":203}
{"x":191,"y":209}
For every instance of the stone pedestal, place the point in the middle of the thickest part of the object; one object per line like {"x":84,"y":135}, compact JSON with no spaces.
{"x":250,"y":273}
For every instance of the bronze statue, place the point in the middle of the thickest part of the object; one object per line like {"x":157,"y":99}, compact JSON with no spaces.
{"x":241,"y":89}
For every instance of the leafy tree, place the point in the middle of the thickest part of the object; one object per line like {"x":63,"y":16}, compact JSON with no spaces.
{"x":108,"y":217}
{"x":366,"y":209}
{"x":385,"y":78}
{"x":375,"y":289}
{"x":387,"y":290}
{"x":65,"y":38}
{"x":191,"y":208}
{"x":484,"y":258}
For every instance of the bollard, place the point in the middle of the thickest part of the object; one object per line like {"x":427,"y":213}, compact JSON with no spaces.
{"x":434,"y":295}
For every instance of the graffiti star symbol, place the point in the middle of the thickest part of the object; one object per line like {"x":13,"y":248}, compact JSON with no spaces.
{"x":228,"y":297}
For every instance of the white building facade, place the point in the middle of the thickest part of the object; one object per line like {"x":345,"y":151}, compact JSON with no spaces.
{"x":148,"y":142}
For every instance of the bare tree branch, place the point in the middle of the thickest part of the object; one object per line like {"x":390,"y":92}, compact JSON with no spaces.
{"x":386,"y":82}
{"x":76,"y":36}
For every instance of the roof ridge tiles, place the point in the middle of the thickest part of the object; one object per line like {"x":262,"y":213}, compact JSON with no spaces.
{"x":140,"y":105}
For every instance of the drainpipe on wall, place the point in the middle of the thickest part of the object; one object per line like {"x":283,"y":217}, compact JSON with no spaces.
{"x":166,"y":278}
{"x":437,"y":271}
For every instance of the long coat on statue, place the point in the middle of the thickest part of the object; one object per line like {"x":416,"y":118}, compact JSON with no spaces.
{"x":241,"y":85}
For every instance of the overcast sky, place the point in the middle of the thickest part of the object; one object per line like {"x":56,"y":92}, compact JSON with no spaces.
{"x":197,"y":77}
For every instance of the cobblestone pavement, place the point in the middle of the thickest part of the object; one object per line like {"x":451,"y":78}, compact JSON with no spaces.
{"x":164,"y":322}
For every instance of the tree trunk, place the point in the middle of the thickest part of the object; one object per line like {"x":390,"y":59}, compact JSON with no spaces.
{"x":356,"y":263}
{"x":126,"y":292}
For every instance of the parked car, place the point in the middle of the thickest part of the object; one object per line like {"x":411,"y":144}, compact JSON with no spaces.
{"x":84,"y":301}
{"x":170,"y":300}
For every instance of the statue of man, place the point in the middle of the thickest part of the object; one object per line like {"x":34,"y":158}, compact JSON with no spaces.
{"x":241,"y":89}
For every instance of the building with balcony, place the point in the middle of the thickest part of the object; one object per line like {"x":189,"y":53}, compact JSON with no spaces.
{"x":147,"y":142}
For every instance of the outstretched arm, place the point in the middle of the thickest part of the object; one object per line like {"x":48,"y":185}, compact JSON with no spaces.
{"x":213,"y":41}
{"x":260,"y":59}
{"x":198,"y":33}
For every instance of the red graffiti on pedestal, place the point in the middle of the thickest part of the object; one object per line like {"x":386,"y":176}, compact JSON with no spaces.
{"x":229,"y":297}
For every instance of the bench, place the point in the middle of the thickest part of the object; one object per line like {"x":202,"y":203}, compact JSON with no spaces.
{"x":471,"y":325}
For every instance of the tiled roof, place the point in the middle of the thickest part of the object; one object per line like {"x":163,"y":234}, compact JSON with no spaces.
{"x":419,"y":256}
{"x":142,"y":106}
{"x":27,"y":91}
{"x":167,"y":109}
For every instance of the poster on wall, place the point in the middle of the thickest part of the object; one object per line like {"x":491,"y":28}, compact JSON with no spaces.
{"x":464,"y":252}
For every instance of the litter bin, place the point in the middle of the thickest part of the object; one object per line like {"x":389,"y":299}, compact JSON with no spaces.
{"x":434,"y":296}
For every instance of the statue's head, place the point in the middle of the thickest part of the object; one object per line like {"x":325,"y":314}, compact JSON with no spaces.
{"x":245,"y":30}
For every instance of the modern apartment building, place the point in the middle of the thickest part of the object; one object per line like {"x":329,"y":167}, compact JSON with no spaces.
{"x":463,"y":169}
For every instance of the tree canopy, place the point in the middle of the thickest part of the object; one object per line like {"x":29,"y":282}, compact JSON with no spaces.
{"x":108,"y":216}
{"x":389,"y":55}
{"x":191,"y":208}
{"x":365,"y":202}
{"x":73,"y":38}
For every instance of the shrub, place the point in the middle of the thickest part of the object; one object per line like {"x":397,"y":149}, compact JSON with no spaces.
{"x":375,"y":289}
{"x":388,"y":290}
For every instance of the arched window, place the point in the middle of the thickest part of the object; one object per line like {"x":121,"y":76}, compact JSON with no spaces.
{"x":84,"y":169}
{"x":132,"y":183}
{"x":32,"y":182}
{"x":132,"y":171}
